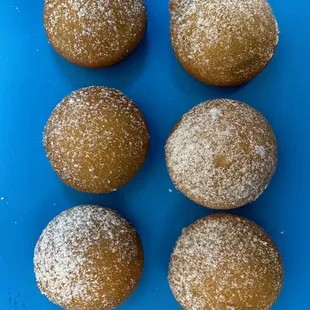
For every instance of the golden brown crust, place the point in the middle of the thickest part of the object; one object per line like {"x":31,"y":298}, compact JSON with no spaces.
{"x":88,"y":258}
{"x":225,"y":262}
{"x":96,"y":33}
{"x":223,"y":42}
{"x":96,"y":140}
{"x":222,"y":154}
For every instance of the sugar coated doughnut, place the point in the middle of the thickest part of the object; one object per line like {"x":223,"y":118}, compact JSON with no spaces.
{"x":96,"y":140}
{"x":88,"y":258}
{"x":222,"y":154}
{"x":225,"y":262}
{"x":223,"y":42}
{"x":94,"y":33}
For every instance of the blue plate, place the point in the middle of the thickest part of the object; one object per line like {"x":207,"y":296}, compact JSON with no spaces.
{"x":33,"y":79}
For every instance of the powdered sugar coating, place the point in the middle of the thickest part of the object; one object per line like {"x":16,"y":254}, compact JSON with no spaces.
{"x":94,"y":33}
{"x":222,"y":154}
{"x":225,"y":262}
{"x":88,"y":258}
{"x":223,"y":42}
{"x":96,"y":139}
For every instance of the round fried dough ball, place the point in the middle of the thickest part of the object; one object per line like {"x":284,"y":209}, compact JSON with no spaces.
{"x":96,"y":140}
{"x":94,"y":33}
{"x":88,"y":258}
{"x":225,"y":262}
{"x":223,"y":42}
{"x":222,"y":154}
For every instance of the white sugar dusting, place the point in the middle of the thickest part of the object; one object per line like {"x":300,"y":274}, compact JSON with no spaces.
{"x":222,"y":153}
{"x":224,"y":262}
{"x":97,"y":31}
{"x":198,"y":27}
{"x":65,"y":270}
{"x":215,"y":113}
{"x":260,"y":150}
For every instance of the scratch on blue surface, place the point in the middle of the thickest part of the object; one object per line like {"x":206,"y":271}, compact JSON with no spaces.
{"x":15,"y":302}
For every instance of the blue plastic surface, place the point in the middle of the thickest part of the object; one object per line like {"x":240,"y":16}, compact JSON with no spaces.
{"x":33,"y":79}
